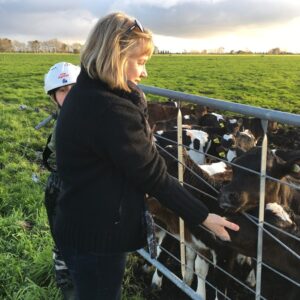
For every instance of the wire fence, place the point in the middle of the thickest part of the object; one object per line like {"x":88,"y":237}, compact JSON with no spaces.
{"x":259,"y":222}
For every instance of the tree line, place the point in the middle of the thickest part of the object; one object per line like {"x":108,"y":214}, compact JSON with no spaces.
{"x":56,"y":46}
{"x":50,"y":46}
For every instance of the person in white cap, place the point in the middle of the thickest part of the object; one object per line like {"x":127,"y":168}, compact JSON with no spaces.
{"x":57,"y":83}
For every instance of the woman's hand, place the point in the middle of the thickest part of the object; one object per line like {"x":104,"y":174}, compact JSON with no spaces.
{"x":217,"y":225}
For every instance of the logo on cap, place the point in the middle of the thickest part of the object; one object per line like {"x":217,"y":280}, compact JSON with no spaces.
{"x":62,"y":75}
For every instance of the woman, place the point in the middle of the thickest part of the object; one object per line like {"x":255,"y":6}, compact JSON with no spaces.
{"x":107,"y":162}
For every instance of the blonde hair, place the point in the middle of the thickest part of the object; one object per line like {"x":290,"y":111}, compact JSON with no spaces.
{"x":109,"y":45}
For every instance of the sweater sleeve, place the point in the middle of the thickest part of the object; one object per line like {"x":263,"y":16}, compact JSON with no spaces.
{"x":51,"y":160}
{"x":129,"y":147}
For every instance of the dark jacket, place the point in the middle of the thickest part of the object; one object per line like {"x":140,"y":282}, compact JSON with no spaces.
{"x":107,"y":163}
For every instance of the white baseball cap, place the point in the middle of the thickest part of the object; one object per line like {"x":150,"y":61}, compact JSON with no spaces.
{"x":59,"y":75}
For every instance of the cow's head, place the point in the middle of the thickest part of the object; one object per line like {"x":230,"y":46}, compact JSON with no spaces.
{"x":245,"y":140}
{"x":242,"y":193}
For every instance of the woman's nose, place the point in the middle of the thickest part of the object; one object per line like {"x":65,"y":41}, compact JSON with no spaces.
{"x":144,"y":73}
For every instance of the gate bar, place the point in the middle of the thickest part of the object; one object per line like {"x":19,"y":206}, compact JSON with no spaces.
{"x":171,"y":276}
{"x":262,"y":113}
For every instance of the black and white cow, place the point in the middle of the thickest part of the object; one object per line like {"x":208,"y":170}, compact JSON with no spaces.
{"x":195,"y":141}
{"x":242,"y":193}
{"x":235,"y":145}
{"x":201,"y":240}
{"x":282,"y":259}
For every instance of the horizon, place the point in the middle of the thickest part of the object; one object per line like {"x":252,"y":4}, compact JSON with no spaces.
{"x":220,"y":50}
{"x":177,"y":25}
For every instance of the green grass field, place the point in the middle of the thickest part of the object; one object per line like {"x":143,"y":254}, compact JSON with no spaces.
{"x":265,"y":81}
{"x":25,"y":243}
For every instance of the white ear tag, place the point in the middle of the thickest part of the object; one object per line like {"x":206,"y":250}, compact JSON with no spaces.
{"x":296,"y":168}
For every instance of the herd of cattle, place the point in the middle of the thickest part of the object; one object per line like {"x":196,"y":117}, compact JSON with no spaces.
{"x":218,"y":151}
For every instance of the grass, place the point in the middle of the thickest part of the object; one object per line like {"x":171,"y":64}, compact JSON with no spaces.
{"x":263,"y":81}
{"x":25,"y":251}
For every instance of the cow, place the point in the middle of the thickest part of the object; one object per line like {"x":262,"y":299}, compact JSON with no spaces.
{"x":194,"y":140}
{"x":245,"y":241}
{"x":160,"y":111}
{"x":202,"y":249}
{"x":242,"y":193}
{"x":201,"y":146}
{"x":234,"y":146}
{"x":255,"y":126}
{"x":206,"y":184}
{"x":221,"y":124}
{"x":286,"y":137}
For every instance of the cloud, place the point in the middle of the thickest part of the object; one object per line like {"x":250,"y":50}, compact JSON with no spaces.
{"x":202,"y":18}
{"x":33,"y":19}
{"x":72,"y":20}
{"x":64,"y":27}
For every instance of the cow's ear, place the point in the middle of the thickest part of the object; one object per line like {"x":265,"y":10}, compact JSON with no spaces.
{"x":240,"y":121}
{"x":290,"y":168}
{"x":278,"y":167}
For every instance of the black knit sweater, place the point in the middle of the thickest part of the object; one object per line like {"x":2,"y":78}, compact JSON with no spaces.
{"x":107,"y":163}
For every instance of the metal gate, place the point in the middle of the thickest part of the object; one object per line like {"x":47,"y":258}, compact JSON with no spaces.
{"x":265,"y":115}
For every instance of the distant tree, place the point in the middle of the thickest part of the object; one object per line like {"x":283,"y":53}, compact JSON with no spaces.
{"x":220,"y":50}
{"x":19,"y":46}
{"x":45,"y":47}
{"x":76,"y":47}
{"x":34,"y":46}
{"x":246,"y":51}
{"x":164,"y":52}
{"x":285,"y":52}
{"x":275,"y":51}
{"x":6,"y":45}
{"x":156,"y":50}
{"x":63,"y":47}
{"x":54,"y":45}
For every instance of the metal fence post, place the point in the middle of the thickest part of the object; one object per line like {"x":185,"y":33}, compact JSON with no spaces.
{"x":261,"y":209}
{"x":180,"y":178}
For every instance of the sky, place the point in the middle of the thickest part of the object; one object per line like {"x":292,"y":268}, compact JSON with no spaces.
{"x":177,"y":25}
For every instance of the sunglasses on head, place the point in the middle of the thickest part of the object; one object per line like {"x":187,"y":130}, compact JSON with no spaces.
{"x":136,"y":24}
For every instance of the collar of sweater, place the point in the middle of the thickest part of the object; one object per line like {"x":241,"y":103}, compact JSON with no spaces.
{"x":136,"y":95}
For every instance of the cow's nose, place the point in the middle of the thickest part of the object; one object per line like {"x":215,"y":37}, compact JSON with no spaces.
{"x":228,"y":200}
{"x":233,"y":197}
